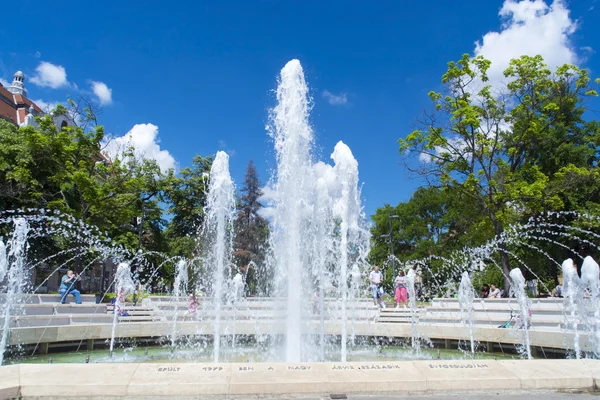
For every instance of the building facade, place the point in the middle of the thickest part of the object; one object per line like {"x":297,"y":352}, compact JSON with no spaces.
{"x":18,"y":109}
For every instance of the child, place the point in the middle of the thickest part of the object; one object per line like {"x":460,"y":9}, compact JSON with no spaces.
{"x":192,"y":308}
{"x":118,"y":304}
{"x":401,"y":292}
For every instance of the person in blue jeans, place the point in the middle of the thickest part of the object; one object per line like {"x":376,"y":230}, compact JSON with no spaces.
{"x":67,"y":284}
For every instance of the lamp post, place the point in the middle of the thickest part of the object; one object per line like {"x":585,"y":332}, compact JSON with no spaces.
{"x":391,"y":236}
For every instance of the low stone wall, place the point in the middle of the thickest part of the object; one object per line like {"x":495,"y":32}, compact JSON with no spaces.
{"x":52,"y":334}
{"x":102,"y":381}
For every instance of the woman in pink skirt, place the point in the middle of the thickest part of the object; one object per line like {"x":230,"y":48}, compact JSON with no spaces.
{"x":401,"y":292}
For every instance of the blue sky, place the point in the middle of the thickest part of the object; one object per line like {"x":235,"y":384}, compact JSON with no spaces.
{"x":203,"y":73}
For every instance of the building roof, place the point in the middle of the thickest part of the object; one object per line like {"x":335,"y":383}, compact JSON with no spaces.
{"x":14,"y":106}
{"x":8,"y":108}
{"x":21,"y":100}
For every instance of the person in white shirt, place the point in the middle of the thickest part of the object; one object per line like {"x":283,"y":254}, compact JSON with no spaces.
{"x":376,"y":278}
{"x":494,"y":292}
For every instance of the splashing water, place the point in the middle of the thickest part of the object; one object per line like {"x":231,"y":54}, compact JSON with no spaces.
{"x":466,"y":294}
{"x":590,"y":279}
{"x":308,"y":200}
{"x":293,"y":139}
{"x":347,"y":209}
{"x":323,"y":250}
{"x":3,"y":261}
{"x":179,"y":292}
{"x":517,"y":288}
{"x":571,"y":285}
{"x":124,"y":286}
{"x":356,"y":284}
{"x":17,"y":275}
{"x":415,"y":334}
{"x":218,"y":230}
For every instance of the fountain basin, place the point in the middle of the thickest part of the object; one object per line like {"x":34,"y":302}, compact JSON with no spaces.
{"x":171,"y":380}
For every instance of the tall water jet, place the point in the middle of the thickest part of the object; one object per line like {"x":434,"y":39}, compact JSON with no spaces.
{"x":218,"y":230}
{"x":356,"y":283}
{"x":236,"y":295}
{"x":347,"y":210}
{"x":179,"y":292}
{"x":124,"y":286}
{"x":571,"y":295}
{"x":466,"y":294}
{"x":17,"y":275}
{"x":3,"y":261}
{"x":323,"y":220}
{"x":415,"y":334}
{"x":293,"y":138}
{"x":590,"y":277}
{"x":517,"y":288}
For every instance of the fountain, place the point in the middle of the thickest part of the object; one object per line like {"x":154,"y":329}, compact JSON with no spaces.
{"x":415,"y":333}
{"x":571,"y":293}
{"x":218,"y":231}
{"x":466,"y":294}
{"x":347,"y":209}
{"x":180,"y":287}
{"x":517,"y":289}
{"x":318,"y":249}
{"x":293,"y":138}
{"x":590,"y":280}
{"x":124,"y":286}
{"x":15,"y":270}
{"x":3,"y":261}
{"x":323,"y":246}
{"x":355,"y":286}
{"x":308,"y":200}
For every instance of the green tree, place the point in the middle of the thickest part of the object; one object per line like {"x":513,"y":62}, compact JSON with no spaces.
{"x":186,"y":196}
{"x":251,"y":229}
{"x":63,"y":168}
{"x":433,"y":222}
{"x":485,"y":142}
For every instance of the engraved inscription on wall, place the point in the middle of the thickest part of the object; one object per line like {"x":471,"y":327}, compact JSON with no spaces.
{"x":457,"y":366}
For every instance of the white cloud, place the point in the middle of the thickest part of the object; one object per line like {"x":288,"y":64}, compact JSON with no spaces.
{"x":103,"y":92}
{"x":144,"y":139}
{"x":335,"y":99}
{"x":530,"y":27}
{"x":50,"y":75}
{"x":4,"y":82}
{"x":46,"y":106}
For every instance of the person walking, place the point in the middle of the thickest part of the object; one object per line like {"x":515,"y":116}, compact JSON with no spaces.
{"x":67,"y":284}
{"x":376,"y":279}
{"x":401,"y":292}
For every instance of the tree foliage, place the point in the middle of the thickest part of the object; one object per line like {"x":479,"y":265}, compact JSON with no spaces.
{"x":513,"y":151}
{"x":251,"y":229}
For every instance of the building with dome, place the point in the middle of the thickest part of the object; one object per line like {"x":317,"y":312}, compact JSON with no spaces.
{"x":18,"y":109}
